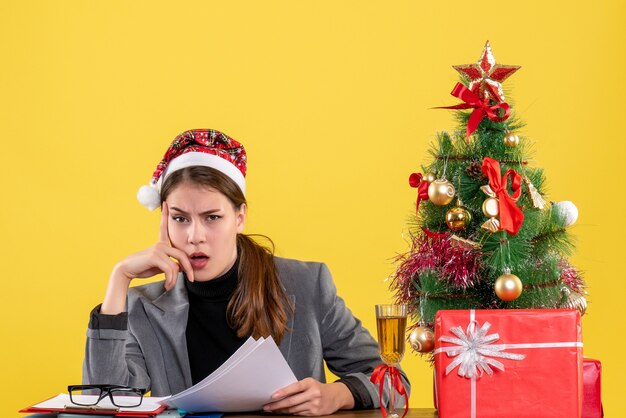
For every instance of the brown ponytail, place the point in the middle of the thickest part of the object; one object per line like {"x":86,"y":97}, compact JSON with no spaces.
{"x":259,"y":305}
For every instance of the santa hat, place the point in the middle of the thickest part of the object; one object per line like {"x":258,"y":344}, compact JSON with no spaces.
{"x":203,"y":147}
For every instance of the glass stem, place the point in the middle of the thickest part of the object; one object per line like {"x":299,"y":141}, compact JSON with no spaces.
{"x":391,"y":405}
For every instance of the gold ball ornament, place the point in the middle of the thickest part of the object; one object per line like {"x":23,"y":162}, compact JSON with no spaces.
{"x":511,"y":140}
{"x":508,"y":287}
{"x":458,"y":218}
{"x":491,"y":207}
{"x":422,"y":339}
{"x":441,"y":192}
{"x":429,"y":177}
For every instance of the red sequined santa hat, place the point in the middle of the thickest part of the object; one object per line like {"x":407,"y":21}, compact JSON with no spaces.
{"x":203,"y":147}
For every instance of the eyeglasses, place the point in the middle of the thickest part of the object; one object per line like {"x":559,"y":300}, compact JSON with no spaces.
{"x":121,"y":396}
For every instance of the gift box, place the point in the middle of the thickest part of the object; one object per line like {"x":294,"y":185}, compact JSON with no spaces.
{"x":508,"y":363}
{"x":592,"y":401}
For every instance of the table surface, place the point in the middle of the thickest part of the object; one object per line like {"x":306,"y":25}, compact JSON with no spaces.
{"x":369,"y":413}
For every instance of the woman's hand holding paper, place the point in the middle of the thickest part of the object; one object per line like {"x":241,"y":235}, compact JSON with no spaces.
{"x":308,"y":397}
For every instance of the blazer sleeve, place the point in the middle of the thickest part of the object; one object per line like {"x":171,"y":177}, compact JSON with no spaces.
{"x":112,"y":354}
{"x":350,"y":351}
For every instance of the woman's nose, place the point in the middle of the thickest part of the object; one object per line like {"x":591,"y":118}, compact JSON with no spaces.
{"x":197,"y":234}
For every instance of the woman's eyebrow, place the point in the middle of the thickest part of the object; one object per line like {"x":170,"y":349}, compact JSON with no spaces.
{"x":207,"y":212}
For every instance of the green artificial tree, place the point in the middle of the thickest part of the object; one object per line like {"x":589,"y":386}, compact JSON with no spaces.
{"x":484,"y":235}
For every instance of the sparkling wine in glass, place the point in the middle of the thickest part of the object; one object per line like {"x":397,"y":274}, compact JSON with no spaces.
{"x":391,"y":325}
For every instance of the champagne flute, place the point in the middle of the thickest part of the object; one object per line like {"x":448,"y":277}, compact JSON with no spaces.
{"x":391,"y":325}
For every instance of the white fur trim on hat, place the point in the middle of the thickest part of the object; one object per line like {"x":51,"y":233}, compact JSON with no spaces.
{"x":190,"y":159}
{"x":150,"y":196}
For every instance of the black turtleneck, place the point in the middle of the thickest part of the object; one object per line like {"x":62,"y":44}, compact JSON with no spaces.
{"x":210,"y":340}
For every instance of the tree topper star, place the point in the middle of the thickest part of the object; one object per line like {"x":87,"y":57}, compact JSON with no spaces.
{"x":486,"y":76}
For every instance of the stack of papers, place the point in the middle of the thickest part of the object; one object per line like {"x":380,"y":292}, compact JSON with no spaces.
{"x":245,"y":382}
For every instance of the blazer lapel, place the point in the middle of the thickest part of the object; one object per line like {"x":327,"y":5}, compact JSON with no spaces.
{"x":168,"y":317}
{"x":285,"y":345}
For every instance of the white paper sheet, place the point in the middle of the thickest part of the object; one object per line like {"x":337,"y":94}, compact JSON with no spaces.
{"x":62,"y":400}
{"x":248,"y":347}
{"x":245,"y":382}
{"x":241,"y":352}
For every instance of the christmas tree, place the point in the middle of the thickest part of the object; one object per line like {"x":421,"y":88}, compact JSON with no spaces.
{"x":485,"y":235}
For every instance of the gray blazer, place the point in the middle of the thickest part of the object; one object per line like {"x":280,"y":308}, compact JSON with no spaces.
{"x":152,"y":351}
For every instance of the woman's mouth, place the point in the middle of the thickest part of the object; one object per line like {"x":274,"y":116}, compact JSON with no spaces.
{"x":198,"y":260}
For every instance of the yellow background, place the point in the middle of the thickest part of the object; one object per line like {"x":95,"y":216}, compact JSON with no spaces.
{"x":332,"y":100}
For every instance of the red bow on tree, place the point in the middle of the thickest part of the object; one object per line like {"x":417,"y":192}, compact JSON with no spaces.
{"x":415,"y":180}
{"x":511,"y":216}
{"x":481,"y":108}
{"x":378,"y":378}
{"x":435,"y":235}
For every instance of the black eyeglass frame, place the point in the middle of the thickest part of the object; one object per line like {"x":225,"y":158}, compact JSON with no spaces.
{"x":108,"y":390}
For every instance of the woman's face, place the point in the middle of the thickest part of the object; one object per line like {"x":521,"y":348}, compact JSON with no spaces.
{"x":204,"y":225}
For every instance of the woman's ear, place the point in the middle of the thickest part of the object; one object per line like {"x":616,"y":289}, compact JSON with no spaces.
{"x":241,"y":217}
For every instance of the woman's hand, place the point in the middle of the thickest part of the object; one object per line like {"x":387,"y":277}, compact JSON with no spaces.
{"x":159,"y":258}
{"x":308,"y":397}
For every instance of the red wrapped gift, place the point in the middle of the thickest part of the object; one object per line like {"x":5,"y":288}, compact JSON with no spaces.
{"x":508,"y":363}
{"x":592,"y":401}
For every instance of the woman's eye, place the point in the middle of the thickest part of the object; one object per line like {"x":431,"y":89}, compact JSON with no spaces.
{"x":178,"y":219}
{"x":213,"y":217}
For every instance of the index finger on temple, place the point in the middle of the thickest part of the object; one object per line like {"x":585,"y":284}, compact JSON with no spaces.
{"x":163,"y":233}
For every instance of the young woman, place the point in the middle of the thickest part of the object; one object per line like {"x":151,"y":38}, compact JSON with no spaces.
{"x":220,"y":288}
